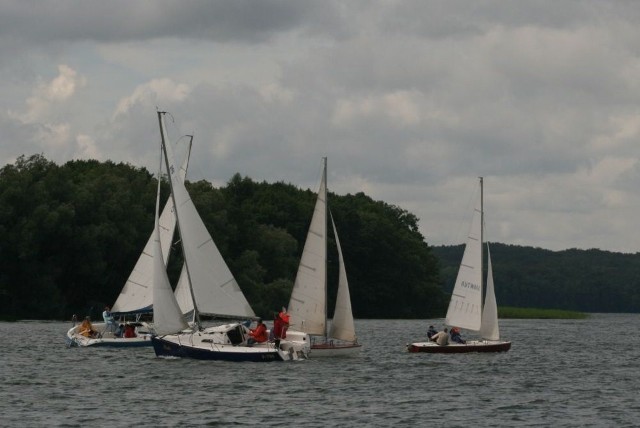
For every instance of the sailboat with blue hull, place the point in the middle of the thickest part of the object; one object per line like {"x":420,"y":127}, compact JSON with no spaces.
{"x":213,"y":291}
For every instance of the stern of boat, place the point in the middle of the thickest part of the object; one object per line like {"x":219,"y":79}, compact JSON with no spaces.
{"x":296,"y":346}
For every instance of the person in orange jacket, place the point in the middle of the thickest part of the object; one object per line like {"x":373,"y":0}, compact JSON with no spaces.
{"x":258,"y":334}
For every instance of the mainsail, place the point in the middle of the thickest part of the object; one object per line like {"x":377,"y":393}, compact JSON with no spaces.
{"x":465,"y":307}
{"x":214,"y":289}
{"x":308,"y":303}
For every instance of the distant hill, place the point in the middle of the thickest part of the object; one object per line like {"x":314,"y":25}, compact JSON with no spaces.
{"x":582,"y":280}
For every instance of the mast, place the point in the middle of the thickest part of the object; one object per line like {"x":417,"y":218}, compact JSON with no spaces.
{"x":324,"y":178}
{"x":196,"y":313}
{"x":482,"y":287}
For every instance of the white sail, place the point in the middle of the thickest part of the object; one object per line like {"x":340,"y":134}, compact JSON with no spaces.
{"x":215,"y":290}
{"x":167,"y":316}
{"x":183,"y":293}
{"x":307,"y":306}
{"x":342,"y":326}
{"x":136,"y":295}
{"x":466,"y":300}
{"x":490,"y":330}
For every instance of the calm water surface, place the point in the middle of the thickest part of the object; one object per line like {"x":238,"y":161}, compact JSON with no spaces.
{"x":558,"y":373}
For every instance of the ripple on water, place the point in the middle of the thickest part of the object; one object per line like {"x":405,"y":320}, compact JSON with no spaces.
{"x":558,"y":373}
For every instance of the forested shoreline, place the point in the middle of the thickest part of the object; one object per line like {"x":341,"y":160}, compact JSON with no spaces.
{"x":579,"y":280}
{"x":70,"y":235}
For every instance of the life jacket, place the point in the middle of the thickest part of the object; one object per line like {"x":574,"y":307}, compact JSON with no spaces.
{"x":129,"y":331}
{"x":259,"y":333}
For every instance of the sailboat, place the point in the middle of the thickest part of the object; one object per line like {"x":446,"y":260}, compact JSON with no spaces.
{"x":213,"y":290}
{"x":135,"y":298}
{"x":465,"y":307}
{"x":308,"y":302}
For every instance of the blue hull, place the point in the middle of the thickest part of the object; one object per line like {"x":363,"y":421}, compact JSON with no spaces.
{"x":164,"y":348}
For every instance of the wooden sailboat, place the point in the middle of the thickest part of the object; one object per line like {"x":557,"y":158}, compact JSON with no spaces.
{"x":308,"y":302}
{"x":213,"y":290}
{"x":465,"y":307}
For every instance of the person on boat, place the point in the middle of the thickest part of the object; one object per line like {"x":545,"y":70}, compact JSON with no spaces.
{"x":456,"y":337}
{"x":119,"y":331}
{"x":86,"y":329}
{"x":442,"y":337}
{"x":109,"y":321}
{"x":431,"y":332}
{"x":284,"y":316}
{"x":129,"y":331}
{"x":258,"y":334}
{"x":281,"y":324}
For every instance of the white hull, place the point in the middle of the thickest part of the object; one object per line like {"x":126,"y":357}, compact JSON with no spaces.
{"x":107,"y":338}
{"x":323,"y":350}
{"x":320,"y":348}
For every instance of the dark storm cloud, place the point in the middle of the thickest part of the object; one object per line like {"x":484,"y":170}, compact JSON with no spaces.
{"x":249,"y":21}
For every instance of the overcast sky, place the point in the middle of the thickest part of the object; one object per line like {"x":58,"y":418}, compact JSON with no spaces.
{"x":410,"y":101}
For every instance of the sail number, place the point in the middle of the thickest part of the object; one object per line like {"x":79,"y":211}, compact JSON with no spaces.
{"x":470,"y":285}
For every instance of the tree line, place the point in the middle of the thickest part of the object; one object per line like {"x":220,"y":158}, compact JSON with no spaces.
{"x":70,"y":235}
{"x":581,"y":280}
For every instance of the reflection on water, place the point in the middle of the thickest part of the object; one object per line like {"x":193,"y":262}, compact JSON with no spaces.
{"x":558,"y":373}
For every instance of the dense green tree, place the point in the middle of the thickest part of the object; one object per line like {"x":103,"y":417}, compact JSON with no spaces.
{"x":582,"y":280}
{"x":70,"y":235}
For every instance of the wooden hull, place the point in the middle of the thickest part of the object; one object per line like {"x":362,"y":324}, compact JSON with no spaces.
{"x":331,"y":349}
{"x":457,"y":348}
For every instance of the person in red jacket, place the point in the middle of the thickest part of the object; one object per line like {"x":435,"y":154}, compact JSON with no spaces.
{"x":258,"y":334}
{"x":281,"y":324}
{"x":129,"y":331}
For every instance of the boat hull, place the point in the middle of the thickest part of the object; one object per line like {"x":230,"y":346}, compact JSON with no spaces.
{"x":459,"y":348}
{"x":166,"y":348}
{"x":330,"y":349}
{"x":107,"y":339}
{"x":228,"y":342}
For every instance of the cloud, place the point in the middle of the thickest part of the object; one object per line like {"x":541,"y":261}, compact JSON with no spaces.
{"x":157,"y":92}
{"x":119,"y":21}
{"x":47,"y":96}
{"x":410,"y":100}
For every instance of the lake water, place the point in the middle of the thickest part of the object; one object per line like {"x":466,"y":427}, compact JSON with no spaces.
{"x":557,"y":374}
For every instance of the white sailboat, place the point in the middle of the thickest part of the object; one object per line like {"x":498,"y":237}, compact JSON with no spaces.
{"x":214,"y":291}
{"x":465,"y":307}
{"x":135,"y":298}
{"x":308,"y":302}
